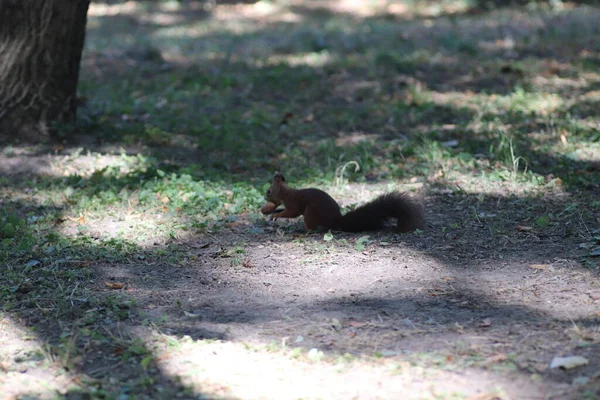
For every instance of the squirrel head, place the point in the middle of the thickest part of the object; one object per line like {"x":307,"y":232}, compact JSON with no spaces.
{"x":278,"y":177}
{"x":274,"y":192}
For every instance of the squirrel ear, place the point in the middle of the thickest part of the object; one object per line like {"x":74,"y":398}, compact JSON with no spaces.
{"x":278,"y":177}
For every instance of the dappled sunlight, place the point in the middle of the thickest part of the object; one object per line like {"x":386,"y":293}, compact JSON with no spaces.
{"x":28,"y":366}
{"x":485,"y":180}
{"x":260,"y":12}
{"x":312,"y":59}
{"x":589,"y":154}
{"x":134,"y":244}
{"x":15,"y":160}
{"x":252,"y":371}
{"x":519,"y":101}
{"x":98,"y":9}
{"x":373,"y":8}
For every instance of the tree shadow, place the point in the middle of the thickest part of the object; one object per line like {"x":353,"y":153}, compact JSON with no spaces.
{"x":218,"y":300}
{"x":206,"y":296}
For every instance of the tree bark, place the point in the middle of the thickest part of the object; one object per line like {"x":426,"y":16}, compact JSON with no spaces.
{"x":41,"y":42}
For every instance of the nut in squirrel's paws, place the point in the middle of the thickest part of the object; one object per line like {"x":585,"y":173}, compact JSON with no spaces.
{"x":268,"y":208}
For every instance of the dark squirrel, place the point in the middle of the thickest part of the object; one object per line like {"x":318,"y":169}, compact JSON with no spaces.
{"x":321,"y":210}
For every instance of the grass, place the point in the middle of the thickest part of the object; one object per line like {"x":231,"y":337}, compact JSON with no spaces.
{"x":189,"y":119}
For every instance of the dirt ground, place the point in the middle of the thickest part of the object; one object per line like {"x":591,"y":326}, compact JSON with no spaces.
{"x":116,"y":288}
{"x":494,"y":309}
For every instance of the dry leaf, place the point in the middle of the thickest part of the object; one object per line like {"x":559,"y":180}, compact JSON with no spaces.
{"x":563,"y":140}
{"x":485,"y":323}
{"x":247,"y":263}
{"x":115,"y":285}
{"x":165,"y":200}
{"x":497,"y":358}
{"x":286,"y":118}
{"x":523,"y":228}
{"x":191,"y":315}
{"x":79,"y":220}
{"x":539,"y":266}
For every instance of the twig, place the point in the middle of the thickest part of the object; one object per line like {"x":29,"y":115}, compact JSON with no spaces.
{"x":72,"y":293}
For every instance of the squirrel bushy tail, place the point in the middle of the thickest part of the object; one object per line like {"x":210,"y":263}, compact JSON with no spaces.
{"x":373,"y":215}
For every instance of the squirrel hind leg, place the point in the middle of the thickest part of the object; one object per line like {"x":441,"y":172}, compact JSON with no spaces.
{"x":314,"y":218}
{"x":311,"y":219}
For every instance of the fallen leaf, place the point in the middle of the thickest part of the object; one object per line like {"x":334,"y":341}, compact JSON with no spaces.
{"x":523,"y":228}
{"x":165,"y":200}
{"x":32,"y":263}
{"x":189,"y":314}
{"x":80,"y":219}
{"x":286,"y":118}
{"x":539,"y":266}
{"x":246,"y":263}
{"x":563,"y":140}
{"x":568,"y":362}
{"x":115,"y":285}
{"x":485,"y":323}
{"x":25,"y":287}
{"x":497,"y":358}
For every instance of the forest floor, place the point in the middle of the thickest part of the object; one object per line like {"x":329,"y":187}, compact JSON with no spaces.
{"x":135,"y":262}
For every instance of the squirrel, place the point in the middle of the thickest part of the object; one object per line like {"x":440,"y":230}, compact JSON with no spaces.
{"x":321,"y":210}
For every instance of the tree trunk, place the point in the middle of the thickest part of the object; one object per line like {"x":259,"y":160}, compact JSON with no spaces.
{"x":41,"y":42}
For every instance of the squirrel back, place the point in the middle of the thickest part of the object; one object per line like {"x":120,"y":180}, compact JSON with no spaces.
{"x":320,"y":209}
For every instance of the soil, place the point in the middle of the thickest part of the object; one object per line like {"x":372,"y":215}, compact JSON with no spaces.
{"x":466,"y":296}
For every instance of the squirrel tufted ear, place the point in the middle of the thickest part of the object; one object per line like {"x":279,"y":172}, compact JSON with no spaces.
{"x":279,"y":176}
